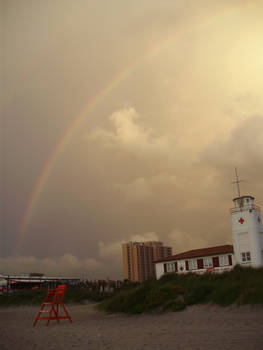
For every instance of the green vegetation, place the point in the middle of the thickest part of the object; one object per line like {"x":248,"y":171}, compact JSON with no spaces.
{"x":22,"y":297}
{"x":175,"y":292}
{"x":172,"y":292}
{"x":36,"y":297}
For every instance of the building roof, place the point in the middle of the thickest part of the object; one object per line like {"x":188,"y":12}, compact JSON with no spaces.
{"x":196,"y":253}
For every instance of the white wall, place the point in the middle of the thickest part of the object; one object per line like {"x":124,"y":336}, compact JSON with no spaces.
{"x":247,"y":236}
{"x":159,"y":267}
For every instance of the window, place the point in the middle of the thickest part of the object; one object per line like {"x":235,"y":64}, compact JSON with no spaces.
{"x":200,"y":263}
{"x":230,"y":259}
{"x":170,"y":267}
{"x":215,"y":260}
{"x":208,"y":262}
{"x":192,"y":264}
{"x":223,"y":260}
{"x":245,"y":257}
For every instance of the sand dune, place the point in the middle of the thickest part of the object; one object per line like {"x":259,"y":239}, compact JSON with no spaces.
{"x":196,"y":328}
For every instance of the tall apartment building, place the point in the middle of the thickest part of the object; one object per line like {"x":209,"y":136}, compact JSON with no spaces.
{"x":138,"y":259}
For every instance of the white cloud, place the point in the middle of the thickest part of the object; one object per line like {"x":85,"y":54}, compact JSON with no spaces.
{"x":147,"y":236}
{"x":244,"y":147}
{"x":180,"y":241}
{"x":112,"y":251}
{"x":131,"y":135}
{"x":66,"y":265}
{"x":153,"y":187}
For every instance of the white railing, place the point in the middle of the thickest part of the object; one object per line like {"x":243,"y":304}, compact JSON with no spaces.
{"x":245,"y":208}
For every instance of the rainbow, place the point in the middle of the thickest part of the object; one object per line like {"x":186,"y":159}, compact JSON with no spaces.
{"x":67,"y":137}
{"x":77,"y":121}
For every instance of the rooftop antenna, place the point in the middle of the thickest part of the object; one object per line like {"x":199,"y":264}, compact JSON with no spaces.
{"x":237,"y":182}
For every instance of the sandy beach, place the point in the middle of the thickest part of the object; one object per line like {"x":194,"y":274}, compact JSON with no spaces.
{"x":196,"y":328}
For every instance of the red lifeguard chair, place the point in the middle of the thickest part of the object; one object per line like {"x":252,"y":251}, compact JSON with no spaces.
{"x":53,"y":299}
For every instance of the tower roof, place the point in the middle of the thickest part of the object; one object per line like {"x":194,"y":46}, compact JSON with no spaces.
{"x":242,"y":197}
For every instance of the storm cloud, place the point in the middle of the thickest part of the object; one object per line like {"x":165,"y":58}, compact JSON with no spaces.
{"x":170,"y":94}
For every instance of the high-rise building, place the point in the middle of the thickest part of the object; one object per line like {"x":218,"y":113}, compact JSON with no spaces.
{"x":138,"y":259}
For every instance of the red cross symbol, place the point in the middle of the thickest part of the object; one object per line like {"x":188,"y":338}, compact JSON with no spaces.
{"x":258,"y":219}
{"x":241,"y":220}
{"x":181,"y":268}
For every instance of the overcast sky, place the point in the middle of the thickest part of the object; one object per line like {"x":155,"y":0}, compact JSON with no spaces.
{"x":170,"y":94}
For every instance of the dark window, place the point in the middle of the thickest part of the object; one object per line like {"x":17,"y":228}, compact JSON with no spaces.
{"x":165,"y":267}
{"x":230,"y":259}
{"x":175,"y":266}
{"x":200,"y":263}
{"x":215,"y":261}
{"x":186,"y":265}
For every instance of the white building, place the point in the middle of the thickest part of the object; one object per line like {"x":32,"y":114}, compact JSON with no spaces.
{"x":247,"y":249}
{"x":220,"y":258}
{"x":247,"y":232}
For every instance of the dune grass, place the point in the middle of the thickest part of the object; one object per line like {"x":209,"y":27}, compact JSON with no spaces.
{"x":22,"y":297}
{"x":36,"y":297}
{"x":174,"y":292}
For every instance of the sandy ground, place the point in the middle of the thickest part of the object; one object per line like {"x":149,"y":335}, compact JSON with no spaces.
{"x":196,"y":328}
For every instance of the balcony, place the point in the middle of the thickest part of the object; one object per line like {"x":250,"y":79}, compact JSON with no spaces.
{"x":246,"y":207}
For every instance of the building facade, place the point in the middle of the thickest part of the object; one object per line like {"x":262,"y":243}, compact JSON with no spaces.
{"x":213,"y":259}
{"x":247,"y":249}
{"x":138,"y":259}
{"x":247,"y":232}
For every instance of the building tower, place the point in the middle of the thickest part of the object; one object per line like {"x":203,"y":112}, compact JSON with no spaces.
{"x":247,"y":232}
{"x":138,"y":259}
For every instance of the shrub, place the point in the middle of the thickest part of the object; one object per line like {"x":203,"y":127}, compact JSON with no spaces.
{"x":36,"y":297}
{"x":175,"y":292}
{"x":171,"y":292}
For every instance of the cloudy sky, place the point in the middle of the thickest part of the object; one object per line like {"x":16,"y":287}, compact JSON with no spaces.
{"x":124,"y":120}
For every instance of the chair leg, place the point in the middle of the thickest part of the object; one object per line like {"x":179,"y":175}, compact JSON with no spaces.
{"x":66,"y":312}
{"x":50,"y":314}
{"x":39,"y":313}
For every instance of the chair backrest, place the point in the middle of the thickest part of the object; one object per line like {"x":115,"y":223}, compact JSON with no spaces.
{"x":60,"y":292}
{"x":50,"y":293}
{"x":61,"y":286}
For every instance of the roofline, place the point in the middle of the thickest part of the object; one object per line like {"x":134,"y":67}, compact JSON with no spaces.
{"x":32,"y":279}
{"x":179,"y":256}
{"x":241,"y":197}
